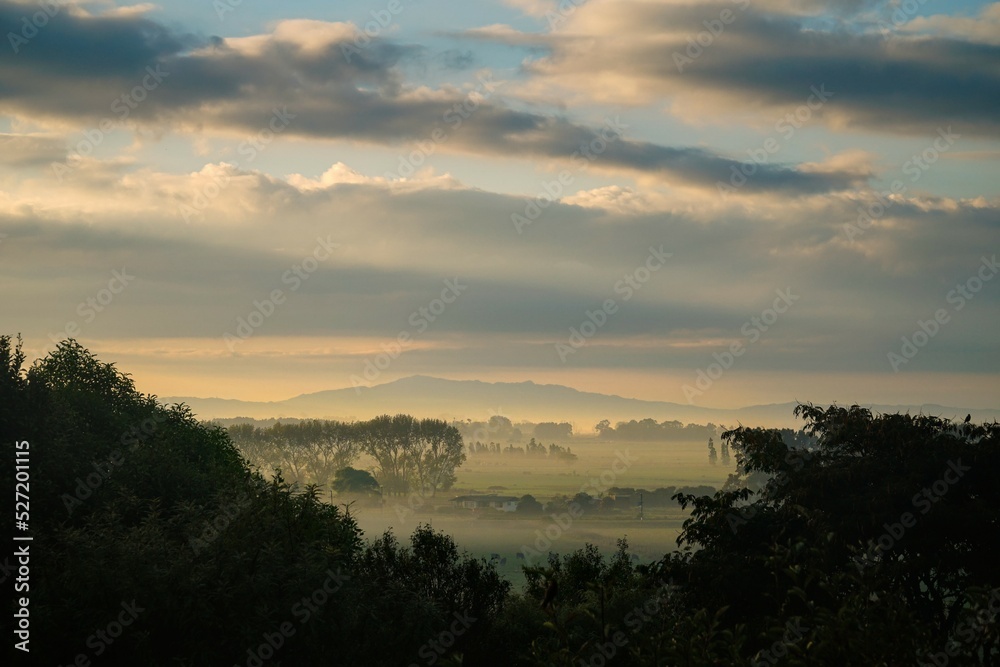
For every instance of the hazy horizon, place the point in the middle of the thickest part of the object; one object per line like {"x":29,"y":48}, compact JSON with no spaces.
{"x":394,"y":381}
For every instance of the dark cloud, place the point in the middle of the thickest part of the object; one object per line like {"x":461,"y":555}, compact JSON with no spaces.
{"x":765,"y":55}
{"x":334,"y":89}
{"x":896,"y":84}
{"x":457,"y":59}
{"x":524,"y":291}
{"x":199,"y":287}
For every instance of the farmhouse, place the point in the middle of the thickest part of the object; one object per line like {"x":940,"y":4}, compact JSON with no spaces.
{"x":503,"y":503}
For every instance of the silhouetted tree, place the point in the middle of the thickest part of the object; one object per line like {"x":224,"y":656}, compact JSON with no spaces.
{"x":437,"y":453}
{"x":528,"y":505}
{"x":867,"y":529}
{"x":411,"y":454}
{"x":351,"y":481}
{"x":391,"y":442}
{"x":554,"y":431}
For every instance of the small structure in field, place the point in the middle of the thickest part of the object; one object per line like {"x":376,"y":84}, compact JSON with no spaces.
{"x":502,"y":503}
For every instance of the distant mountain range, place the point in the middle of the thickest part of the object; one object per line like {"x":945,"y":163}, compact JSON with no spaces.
{"x":425,"y":396}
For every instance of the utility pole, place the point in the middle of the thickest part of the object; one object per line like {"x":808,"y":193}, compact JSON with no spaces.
{"x":640,"y":506}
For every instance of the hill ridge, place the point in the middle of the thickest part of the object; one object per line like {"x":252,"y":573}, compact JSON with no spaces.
{"x":432,"y":396}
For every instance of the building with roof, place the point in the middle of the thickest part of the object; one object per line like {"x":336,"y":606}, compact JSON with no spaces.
{"x":492,"y":501}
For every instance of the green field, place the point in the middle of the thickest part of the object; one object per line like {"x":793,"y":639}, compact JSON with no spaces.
{"x":652,"y":465}
{"x":486,"y":532}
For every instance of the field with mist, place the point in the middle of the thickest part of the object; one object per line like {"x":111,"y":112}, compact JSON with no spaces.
{"x":345,"y":543}
{"x":600,"y":468}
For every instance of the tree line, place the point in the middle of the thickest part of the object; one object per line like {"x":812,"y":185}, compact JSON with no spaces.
{"x":651,"y":430}
{"x":503,"y":430}
{"x":617,"y":500}
{"x":409,"y":454}
{"x":531,"y":449}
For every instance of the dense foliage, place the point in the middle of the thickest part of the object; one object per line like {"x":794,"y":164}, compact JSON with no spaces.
{"x":866,"y":541}
{"x":411,"y":455}
{"x":532,"y":449}
{"x":142,"y":516}
{"x":650,"y":430}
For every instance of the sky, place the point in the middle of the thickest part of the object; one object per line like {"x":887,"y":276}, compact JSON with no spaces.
{"x":719,"y":203}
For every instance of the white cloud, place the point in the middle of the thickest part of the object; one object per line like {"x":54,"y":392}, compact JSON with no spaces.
{"x":983,"y":29}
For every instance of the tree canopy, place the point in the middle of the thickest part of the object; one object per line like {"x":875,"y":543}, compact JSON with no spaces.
{"x":410,"y":454}
{"x":351,"y":481}
{"x":136,"y":505}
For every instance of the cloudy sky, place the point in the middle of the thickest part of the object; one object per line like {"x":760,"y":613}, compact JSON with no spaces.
{"x":726,"y":203}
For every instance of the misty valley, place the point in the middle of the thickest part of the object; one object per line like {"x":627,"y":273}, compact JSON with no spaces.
{"x":160,"y":538}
